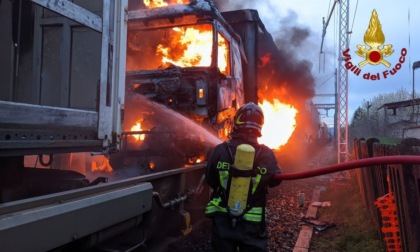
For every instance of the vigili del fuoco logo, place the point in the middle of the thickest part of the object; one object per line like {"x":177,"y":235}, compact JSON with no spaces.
{"x":374,"y":52}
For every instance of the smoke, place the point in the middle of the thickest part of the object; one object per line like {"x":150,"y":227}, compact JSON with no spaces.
{"x":228,"y":5}
{"x":289,"y":72}
{"x":298,"y":52}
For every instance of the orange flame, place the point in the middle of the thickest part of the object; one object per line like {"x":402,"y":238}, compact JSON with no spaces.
{"x":279,"y":123}
{"x":193,"y":47}
{"x":196,"y":160}
{"x":163,"y":3}
{"x":152,"y":165}
{"x":137,"y":127}
{"x":101,"y":165}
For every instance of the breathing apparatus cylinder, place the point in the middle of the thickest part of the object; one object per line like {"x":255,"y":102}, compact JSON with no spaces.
{"x":239,"y":186}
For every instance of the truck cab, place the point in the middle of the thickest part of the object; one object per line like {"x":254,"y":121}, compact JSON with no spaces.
{"x":189,"y":59}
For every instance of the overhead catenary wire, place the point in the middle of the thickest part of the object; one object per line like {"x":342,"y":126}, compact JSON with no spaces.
{"x":324,"y":31}
{"x":329,"y":6}
{"x":354,"y":18}
{"x":325,"y":25}
{"x":325,"y":81}
{"x":323,"y":59}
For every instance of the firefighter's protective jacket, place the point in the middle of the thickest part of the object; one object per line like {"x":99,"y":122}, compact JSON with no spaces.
{"x":217,"y":176}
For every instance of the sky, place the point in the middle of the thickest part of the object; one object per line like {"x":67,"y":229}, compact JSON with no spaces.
{"x":400,"y":24}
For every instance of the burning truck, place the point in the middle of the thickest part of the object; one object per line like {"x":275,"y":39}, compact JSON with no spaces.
{"x":189,"y":59}
{"x":199,"y":62}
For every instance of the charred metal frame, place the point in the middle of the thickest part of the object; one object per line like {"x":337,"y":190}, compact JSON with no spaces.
{"x":215,"y":113}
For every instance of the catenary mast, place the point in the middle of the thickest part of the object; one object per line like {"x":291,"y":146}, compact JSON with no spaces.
{"x":341,"y":100}
{"x":342,"y":87}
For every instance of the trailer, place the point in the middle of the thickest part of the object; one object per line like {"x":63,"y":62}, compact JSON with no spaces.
{"x":62,"y":81}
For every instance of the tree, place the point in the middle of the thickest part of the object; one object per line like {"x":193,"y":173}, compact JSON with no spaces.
{"x":360,"y":126}
{"x":365,"y":121}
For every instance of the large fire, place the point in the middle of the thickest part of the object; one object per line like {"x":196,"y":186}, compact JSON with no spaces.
{"x":279,"y":123}
{"x":162,"y":3}
{"x":192,"y":46}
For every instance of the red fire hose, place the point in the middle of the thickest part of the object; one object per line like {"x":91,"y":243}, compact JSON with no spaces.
{"x":350,"y":165}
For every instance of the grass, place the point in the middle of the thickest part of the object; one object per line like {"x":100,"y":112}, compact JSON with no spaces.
{"x":389,"y":140}
{"x":354,"y":230}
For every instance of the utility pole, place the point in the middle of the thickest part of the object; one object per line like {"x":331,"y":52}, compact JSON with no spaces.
{"x":368,"y":109}
{"x":415,"y":65}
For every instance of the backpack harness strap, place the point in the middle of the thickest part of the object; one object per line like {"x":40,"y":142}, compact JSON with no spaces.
{"x":235,"y":172}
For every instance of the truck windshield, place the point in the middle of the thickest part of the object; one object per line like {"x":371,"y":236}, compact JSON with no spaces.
{"x":185,"y":46}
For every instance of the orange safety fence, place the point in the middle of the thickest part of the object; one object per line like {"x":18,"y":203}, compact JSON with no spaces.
{"x":390,"y":228}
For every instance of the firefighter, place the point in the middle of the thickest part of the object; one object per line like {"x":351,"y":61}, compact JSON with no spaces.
{"x":247,"y":231}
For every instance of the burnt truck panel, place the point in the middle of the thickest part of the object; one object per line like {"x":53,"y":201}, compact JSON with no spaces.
{"x":183,"y":91}
{"x":207,"y":88}
{"x":245,"y":25}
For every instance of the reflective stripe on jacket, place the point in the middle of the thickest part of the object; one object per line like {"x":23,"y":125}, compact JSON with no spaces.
{"x":216,"y":206}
